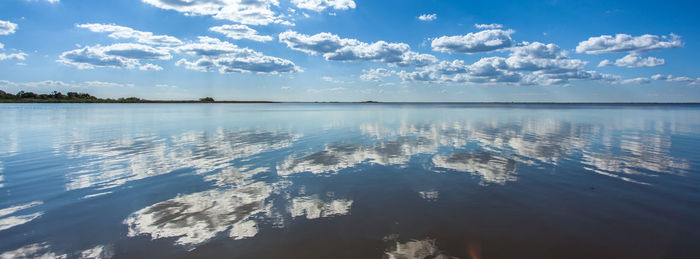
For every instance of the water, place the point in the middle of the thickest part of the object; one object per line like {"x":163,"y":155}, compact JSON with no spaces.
{"x":349,"y":181}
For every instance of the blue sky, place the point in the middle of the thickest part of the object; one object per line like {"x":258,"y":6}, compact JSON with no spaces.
{"x":354,"y":50}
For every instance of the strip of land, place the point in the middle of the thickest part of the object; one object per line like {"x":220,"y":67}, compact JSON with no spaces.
{"x":75,"y":97}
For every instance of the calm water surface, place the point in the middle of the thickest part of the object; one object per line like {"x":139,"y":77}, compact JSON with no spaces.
{"x":349,"y":181}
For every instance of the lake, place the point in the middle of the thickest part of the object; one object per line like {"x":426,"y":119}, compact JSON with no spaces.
{"x":349,"y":181}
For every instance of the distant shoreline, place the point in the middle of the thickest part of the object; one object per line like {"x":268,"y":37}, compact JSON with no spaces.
{"x":74,"y":97}
{"x":339,"y":102}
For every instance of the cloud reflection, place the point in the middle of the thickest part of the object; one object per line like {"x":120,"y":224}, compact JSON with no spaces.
{"x":7,"y":221}
{"x":113,"y":163}
{"x":198,"y":217}
{"x":237,"y":205}
{"x":312,"y":207}
{"x":43,"y":251}
{"x":335,"y":158}
{"x":491,"y":168}
{"x":418,"y":249}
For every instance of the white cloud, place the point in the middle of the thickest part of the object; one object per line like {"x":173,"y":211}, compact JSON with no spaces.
{"x":7,"y":28}
{"x":13,"y":56}
{"x":678,"y":79}
{"x":605,"y":63}
{"x":638,"y":80}
{"x":121,"y":32}
{"x":150,"y":67}
{"x":239,"y":31}
{"x":527,"y":64}
{"x":544,"y":58}
{"x":483,"y":41}
{"x":320,"y":43}
{"x":628,"y":43}
{"x":320,"y":5}
{"x":427,"y":17}
{"x":633,"y":60}
{"x":229,"y":58}
{"x":376,"y":74}
{"x":256,"y":64}
{"x":121,"y":55}
{"x":208,"y":46}
{"x":136,"y":51}
{"x":335,"y":48}
{"x":251,"y":12}
{"x":488,"y":26}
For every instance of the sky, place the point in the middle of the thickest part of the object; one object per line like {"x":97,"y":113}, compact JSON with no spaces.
{"x":354,"y":50}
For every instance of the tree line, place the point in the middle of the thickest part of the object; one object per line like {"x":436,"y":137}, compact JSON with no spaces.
{"x":76,"y":97}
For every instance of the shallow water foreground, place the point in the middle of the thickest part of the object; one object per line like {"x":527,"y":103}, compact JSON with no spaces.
{"x":349,"y":181}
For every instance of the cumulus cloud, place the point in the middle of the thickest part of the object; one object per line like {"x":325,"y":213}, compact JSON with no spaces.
{"x":679,"y":79}
{"x":7,"y":28}
{"x":150,"y":67}
{"x":427,"y":17}
{"x":527,"y":64}
{"x":628,"y":43}
{"x":633,"y":60}
{"x":122,"y":55}
{"x":488,"y":26}
{"x":332,"y":47}
{"x":256,"y":64}
{"x":239,"y":31}
{"x":121,"y":32}
{"x":605,"y":63}
{"x":13,"y":56}
{"x":638,"y":80}
{"x":483,"y":41}
{"x":251,"y":12}
{"x":377,"y":74}
{"x":544,"y":58}
{"x":320,"y":5}
{"x":229,"y":58}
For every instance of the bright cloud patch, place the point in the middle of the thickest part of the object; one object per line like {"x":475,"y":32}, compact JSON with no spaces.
{"x":320,"y":5}
{"x":377,"y":74}
{"x":123,"y":55}
{"x":483,"y":41}
{"x":628,"y":43}
{"x":335,"y":48}
{"x":229,"y":58}
{"x":13,"y":56}
{"x":527,"y":64}
{"x":633,"y":60}
{"x":488,"y":26}
{"x":239,"y":31}
{"x":427,"y":17}
{"x":252,"y":12}
{"x":7,"y":28}
{"x":121,"y":32}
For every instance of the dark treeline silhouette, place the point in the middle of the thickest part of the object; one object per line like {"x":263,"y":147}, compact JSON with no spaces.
{"x":56,"y":96}
{"x":75,"y":97}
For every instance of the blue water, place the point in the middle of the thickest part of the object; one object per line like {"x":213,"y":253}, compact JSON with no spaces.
{"x":349,"y":181}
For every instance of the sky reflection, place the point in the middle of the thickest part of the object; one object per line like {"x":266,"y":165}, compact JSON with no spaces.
{"x":206,"y":181}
